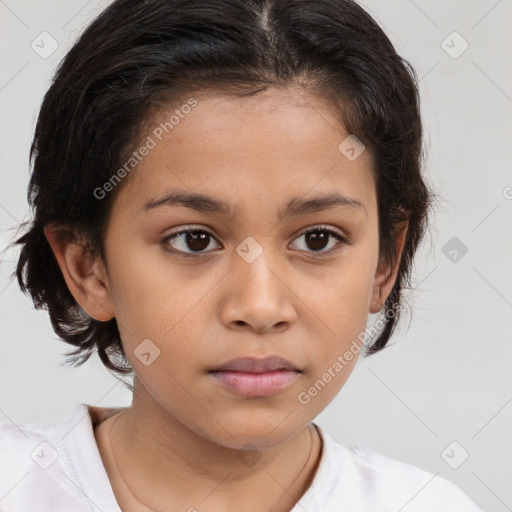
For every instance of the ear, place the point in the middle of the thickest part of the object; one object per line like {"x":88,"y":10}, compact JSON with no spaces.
{"x":385,"y":276}
{"x":84,"y":274}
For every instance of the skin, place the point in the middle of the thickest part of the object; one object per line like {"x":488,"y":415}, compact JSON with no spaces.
{"x":180,"y":440}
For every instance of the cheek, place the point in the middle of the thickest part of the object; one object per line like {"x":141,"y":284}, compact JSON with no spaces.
{"x":342,"y":304}
{"x":159,"y":304}
{"x":344,"y":309}
{"x":148,"y":296}
{"x":347,"y":293}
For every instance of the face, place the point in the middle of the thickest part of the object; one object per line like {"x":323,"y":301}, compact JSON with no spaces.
{"x":260,"y":277}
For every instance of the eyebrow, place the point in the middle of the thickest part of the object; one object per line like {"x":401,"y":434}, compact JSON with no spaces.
{"x":296,"y":206}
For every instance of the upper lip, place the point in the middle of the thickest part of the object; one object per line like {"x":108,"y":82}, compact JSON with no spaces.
{"x":256,"y":365}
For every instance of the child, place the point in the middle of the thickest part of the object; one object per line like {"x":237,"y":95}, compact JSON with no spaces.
{"x":287,"y":135}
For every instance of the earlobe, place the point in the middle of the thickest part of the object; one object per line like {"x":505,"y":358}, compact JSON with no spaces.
{"x":84,"y":274}
{"x":385,"y":276}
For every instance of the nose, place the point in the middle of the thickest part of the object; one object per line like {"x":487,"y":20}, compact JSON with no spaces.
{"x":258,"y":296}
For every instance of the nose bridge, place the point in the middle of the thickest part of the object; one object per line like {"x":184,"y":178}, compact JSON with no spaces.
{"x":257,"y":294}
{"x":257,"y":263}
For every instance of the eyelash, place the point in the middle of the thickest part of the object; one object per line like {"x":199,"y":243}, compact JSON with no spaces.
{"x":341,"y":240}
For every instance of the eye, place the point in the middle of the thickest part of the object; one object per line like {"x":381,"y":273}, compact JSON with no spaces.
{"x":318,"y":237}
{"x":198,"y":240}
{"x":195,"y":239}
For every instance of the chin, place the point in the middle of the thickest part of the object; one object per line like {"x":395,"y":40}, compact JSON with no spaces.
{"x":257,"y":431}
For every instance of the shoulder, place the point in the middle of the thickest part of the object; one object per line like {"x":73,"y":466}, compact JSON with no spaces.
{"x":420,"y":487}
{"x":34,"y":464}
{"x":23,"y":445}
{"x":383,"y":483}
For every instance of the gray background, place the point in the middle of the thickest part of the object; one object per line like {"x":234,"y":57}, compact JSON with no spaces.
{"x":447,"y":376}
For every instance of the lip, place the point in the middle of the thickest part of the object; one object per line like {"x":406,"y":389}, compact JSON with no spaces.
{"x":256,"y":377}
{"x":256,"y":365}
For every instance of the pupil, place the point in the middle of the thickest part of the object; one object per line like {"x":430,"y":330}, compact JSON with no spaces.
{"x":197,"y":241}
{"x":318,"y":239}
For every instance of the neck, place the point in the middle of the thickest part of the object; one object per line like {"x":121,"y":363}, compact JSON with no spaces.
{"x":161,"y":461}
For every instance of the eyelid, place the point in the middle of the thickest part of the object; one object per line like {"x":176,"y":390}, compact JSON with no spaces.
{"x":200,"y":227}
{"x":320,"y":227}
{"x":188,"y":228}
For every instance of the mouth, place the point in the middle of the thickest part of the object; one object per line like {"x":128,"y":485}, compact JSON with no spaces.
{"x":256,"y":378}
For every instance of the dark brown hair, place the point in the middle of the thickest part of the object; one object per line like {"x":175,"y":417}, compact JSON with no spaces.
{"x":140,"y":55}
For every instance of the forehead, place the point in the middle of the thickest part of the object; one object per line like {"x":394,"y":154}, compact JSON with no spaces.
{"x":270,"y":147}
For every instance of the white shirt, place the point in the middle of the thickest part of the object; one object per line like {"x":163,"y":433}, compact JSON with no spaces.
{"x":57,"y":467}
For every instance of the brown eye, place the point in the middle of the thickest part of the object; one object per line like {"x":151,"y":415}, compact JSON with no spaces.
{"x":316,"y":240}
{"x":195,"y":240}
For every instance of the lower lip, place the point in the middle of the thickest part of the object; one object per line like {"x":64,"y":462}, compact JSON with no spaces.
{"x":255,"y":385}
